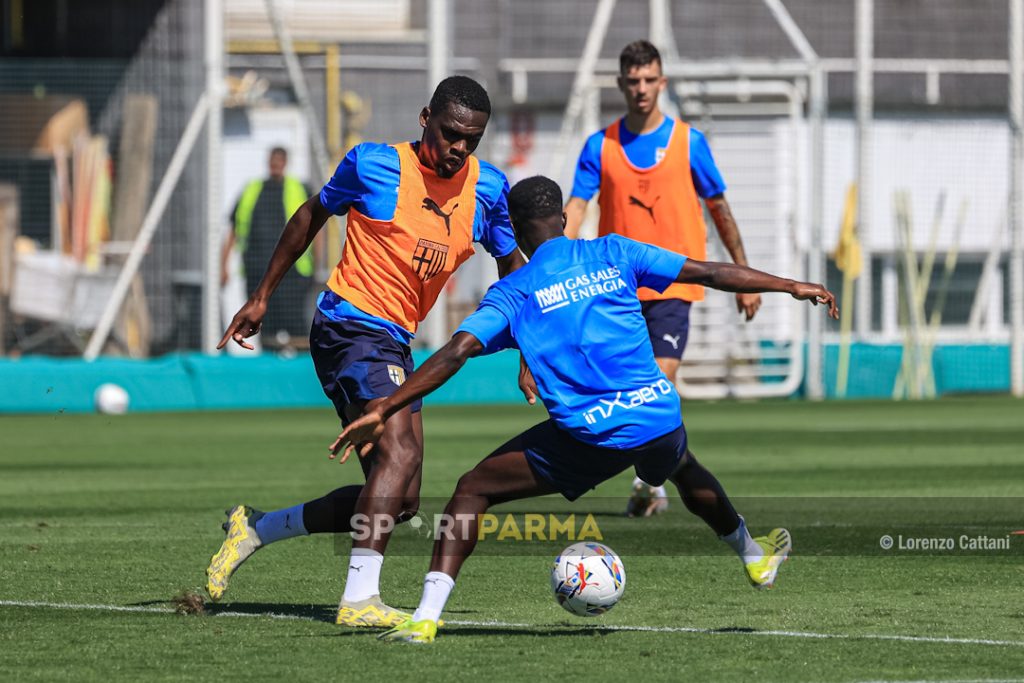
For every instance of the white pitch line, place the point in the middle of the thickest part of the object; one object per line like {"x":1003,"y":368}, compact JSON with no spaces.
{"x":784,"y":634}
{"x":144,"y":609}
{"x":958,"y":680}
{"x":504,"y":624}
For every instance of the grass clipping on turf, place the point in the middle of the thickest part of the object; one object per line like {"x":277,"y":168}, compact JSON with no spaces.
{"x":189,"y":602}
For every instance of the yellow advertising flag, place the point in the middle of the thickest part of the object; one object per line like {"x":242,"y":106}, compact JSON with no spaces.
{"x":847,"y":254}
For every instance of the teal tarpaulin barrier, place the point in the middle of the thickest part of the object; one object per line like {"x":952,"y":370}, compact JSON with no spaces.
{"x":50,"y":385}
{"x":959,"y":368}
{"x":195,"y":382}
{"x":198,"y":382}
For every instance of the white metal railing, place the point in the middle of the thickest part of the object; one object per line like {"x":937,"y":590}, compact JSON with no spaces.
{"x":727,"y":357}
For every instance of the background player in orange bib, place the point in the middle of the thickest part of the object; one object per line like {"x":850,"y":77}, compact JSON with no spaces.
{"x":650,"y":170}
{"x":414,"y":211}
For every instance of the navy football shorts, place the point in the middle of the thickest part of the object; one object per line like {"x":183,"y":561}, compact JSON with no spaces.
{"x":573,"y":467}
{"x":668,"y":324}
{"x":357,"y":363}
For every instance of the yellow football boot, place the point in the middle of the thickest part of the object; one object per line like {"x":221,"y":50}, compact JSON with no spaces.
{"x":369,"y":613}
{"x":409,"y":631}
{"x":241,"y":542}
{"x":776,"y":546}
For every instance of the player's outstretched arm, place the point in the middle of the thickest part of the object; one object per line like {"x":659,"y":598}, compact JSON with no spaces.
{"x":365,"y":432}
{"x":509,"y":264}
{"x":729,"y":232}
{"x":296,"y":237}
{"x":732,"y":278}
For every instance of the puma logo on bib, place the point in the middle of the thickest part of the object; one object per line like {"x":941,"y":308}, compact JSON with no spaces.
{"x":633,"y":201}
{"x":430,"y":205}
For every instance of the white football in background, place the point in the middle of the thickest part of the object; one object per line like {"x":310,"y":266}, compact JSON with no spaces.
{"x":111,"y":399}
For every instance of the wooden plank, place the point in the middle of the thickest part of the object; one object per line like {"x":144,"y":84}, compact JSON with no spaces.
{"x":8,"y":232}
{"x":61,"y":200}
{"x":33,"y":126}
{"x":131,"y":199}
{"x":81,"y":195}
{"x":135,"y":166}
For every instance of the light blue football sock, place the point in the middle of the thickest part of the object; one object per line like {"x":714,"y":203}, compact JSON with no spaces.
{"x":281,"y":524}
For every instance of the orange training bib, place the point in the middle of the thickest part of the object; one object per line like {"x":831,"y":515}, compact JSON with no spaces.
{"x":396,"y":269}
{"x":657,"y":205}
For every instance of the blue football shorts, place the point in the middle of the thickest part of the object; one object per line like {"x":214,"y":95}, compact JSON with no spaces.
{"x":357,"y":363}
{"x":668,"y":324}
{"x":573,"y":467}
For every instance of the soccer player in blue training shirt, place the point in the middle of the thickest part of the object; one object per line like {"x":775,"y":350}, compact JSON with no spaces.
{"x":573,"y":312}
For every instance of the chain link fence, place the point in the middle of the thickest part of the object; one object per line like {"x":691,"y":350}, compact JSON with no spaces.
{"x":935,"y":231}
{"x":86,"y":141}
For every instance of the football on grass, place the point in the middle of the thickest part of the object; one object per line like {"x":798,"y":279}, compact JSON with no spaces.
{"x":588,"y":579}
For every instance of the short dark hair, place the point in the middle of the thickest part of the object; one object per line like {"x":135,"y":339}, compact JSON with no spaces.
{"x":279,"y":151}
{"x":638,"y":53}
{"x":460,"y":90}
{"x":536,"y":197}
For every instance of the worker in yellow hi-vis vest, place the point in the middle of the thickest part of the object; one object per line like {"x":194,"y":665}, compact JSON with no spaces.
{"x":263,"y":207}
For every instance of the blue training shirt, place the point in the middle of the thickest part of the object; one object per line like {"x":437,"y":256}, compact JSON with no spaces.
{"x":574,"y":313}
{"x":643,"y":151}
{"x":367,"y":179}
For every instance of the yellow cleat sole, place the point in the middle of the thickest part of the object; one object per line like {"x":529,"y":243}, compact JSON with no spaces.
{"x":370,"y":617}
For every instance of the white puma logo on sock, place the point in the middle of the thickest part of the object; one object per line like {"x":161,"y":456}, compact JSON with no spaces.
{"x":358,"y":569}
{"x":674,"y":341}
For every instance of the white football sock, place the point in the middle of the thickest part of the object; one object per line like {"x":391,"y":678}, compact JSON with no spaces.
{"x":437,"y":586}
{"x":363,"y":574}
{"x":743,"y":544}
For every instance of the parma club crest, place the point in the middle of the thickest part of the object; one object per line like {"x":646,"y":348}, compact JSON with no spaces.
{"x":396,"y":374}
{"x":428,"y":258}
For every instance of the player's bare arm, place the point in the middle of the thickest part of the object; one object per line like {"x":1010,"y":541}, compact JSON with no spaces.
{"x":527,"y":384}
{"x":575,"y":212}
{"x":296,"y":237}
{"x":729,"y":233}
{"x":365,"y":432}
{"x":728,"y":277}
{"x":225,"y":256}
{"x":509,"y":264}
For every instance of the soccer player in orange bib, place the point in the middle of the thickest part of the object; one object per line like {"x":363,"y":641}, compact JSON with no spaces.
{"x":651,"y":171}
{"x":414,"y":212}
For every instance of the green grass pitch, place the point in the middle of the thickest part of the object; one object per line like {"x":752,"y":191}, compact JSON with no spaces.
{"x":126,"y":512}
